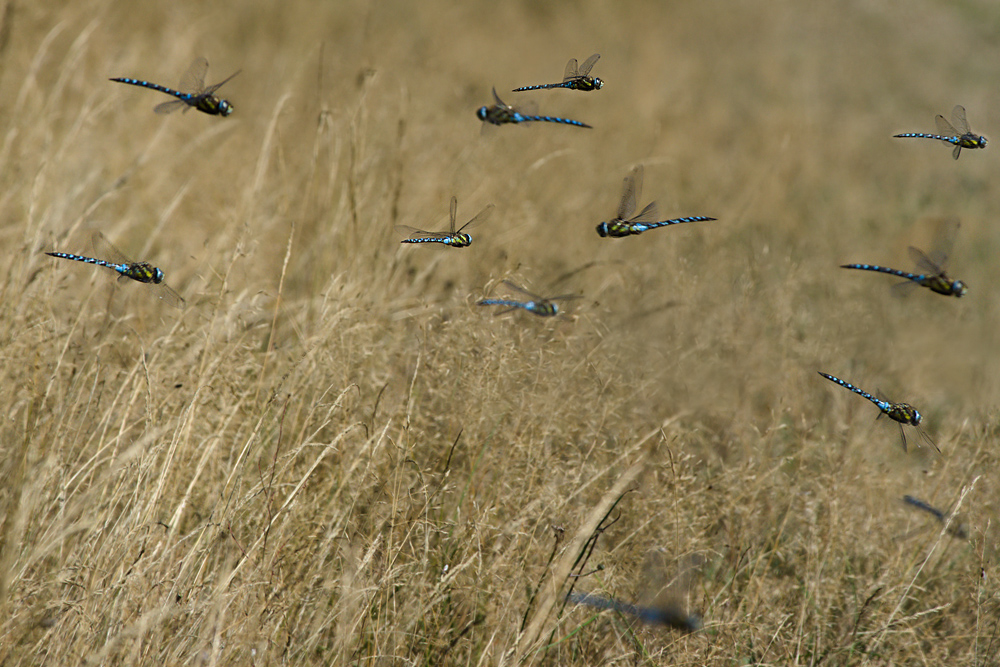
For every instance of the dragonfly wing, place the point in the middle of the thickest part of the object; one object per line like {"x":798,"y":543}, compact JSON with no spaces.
{"x":944,"y":239}
{"x":571,"y":70}
{"x":170,"y":107}
{"x":648,"y":214}
{"x":106,"y":250}
{"x":193,"y":80}
{"x":588,"y":64}
{"x":924,"y":263}
{"x":958,"y":118}
{"x":169,"y":296}
{"x":944,"y":127}
{"x":499,"y":102}
{"x":412,"y":232}
{"x":904,"y":289}
{"x":214,"y":87}
{"x":454,"y":212}
{"x":480,"y":218}
{"x":631,"y":188}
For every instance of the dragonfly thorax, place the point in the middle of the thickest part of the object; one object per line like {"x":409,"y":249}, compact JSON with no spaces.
{"x":905,"y":413}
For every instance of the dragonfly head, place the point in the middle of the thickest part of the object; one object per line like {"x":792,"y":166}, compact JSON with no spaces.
{"x":982,"y":142}
{"x":157,"y":276}
{"x":225,"y":108}
{"x":481,"y":113}
{"x":598,"y":84}
{"x":602,"y":229}
{"x":462,"y":240}
{"x":958,"y":288}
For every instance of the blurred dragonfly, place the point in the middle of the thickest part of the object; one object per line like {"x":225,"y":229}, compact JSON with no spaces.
{"x":501,"y":113}
{"x":574,"y":78}
{"x":931,"y":267}
{"x":141,"y":272}
{"x":626,"y":224}
{"x":537,"y":305}
{"x":901,"y":413}
{"x":956,"y":133}
{"x":955,"y":527}
{"x":197,"y":96}
{"x":454,"y":238}
{"x":663,"y":604}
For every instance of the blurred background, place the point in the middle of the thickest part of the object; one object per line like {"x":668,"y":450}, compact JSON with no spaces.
{"x":331,"y":454}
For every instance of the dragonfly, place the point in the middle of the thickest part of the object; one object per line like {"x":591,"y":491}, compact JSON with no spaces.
{"x":669,"y":616}
{"x":955,"y":528}
{"x":960,"y":138}
{"x":626,"y":224}
{"x":141,"y":272}
{"x":901,"y":413}
{"x":575,"y":78}
{"x":541,"y":306}
{"x":931,"y":267}
{"x":454,"y":238}
{"x":197,"y":96}
{"x":501,"y":113}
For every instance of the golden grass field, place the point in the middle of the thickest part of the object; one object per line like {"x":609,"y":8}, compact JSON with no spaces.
{"x":333,"y":456}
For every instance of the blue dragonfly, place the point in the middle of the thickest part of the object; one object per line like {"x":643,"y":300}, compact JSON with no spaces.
{"x":956,"y":133}
{"x":575,"y":78}
{"x":668,"y":615}
{"x":901,"y":413}
{"x":197,"y":96}
{"x":931,"y":267}
{"x":626,"y":224}
{"x":537,"y":305}
{"x":454,"y":238}
{"x":501,"y":113}
{"x":955,"y":528}
{"x":141,"y":272}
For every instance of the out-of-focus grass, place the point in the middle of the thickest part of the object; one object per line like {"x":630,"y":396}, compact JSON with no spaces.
{"x":332,"y":456}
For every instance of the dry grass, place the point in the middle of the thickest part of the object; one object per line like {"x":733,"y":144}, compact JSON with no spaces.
{"x":332,"y":456}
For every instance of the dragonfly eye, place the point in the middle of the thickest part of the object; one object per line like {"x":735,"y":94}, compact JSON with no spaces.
{"x":157,"y":276}
{"x":598,"y":83}
{"x":602,"y":229}
{"x":225,"y":108}
{"x":481,"y":113}
{"x":958,"y":288}
{"x":983,"y":140}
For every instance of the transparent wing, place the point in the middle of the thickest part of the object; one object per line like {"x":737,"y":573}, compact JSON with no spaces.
{"x":480,"y":218}
{"x":499,"y":102}
{"x":193,"y":80}
{"x":521,"y":290}
{"x":168,"y":295}
{"x":214,"y":87}
{"x":454,"y":213}
{"x":107,"y":251}
{"x":648,"y":214}
{"x":924,"y":263}
{"x":944,"y":127}
{"x":631,"y":189}
{"x":904,"y":289}
{"x":588,"y":64}
{"x":945,"y":233}
{"x":413,"y":232}
{"x":571,"y":70}
{"x":958,"y":118}
{"x":171,"y":106}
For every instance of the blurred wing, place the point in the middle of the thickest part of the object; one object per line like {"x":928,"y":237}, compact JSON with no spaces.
{"x":454,"y":212}
{"x":171,"y":106}
{"x":588,"y":64}
{"x":518,"y":288}
{"x":924,"y":263}
{"x":211,"y":89}
{"x":499,"y":102}
{"x":169,"y":296}
{"x":413,"y":232}
{"x":944,"y":240}
{"x":631,"y":188}
{"x":480,"y":218}
{"x":193,"y":80}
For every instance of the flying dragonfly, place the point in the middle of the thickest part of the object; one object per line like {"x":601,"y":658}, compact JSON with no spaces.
{"x":197,"y":96}
{"x":901,"y":413}
{"x":955,"y":528}
{"x":141,"y":272}
{"x":956,"y":133}
{"x":454,"y":238}
{"x":501,"y":113}
{"x":537,"y":305}
{"x":625,"y":224}
{"x":663,"y":600}
{"x":931,"y":267}
{"x":574,"y":78}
